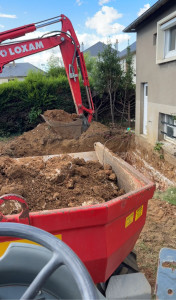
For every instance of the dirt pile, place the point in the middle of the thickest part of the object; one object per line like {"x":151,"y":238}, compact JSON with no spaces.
{"x":45,"y":139}
{"x":60,"y":116}
{"x":58,"y":182}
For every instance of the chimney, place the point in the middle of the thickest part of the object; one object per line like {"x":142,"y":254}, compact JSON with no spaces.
{"x":116,"y":45}
{"x":82,"y":47}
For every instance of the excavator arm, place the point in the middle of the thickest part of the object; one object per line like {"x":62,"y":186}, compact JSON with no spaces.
{"x":67,"y":40}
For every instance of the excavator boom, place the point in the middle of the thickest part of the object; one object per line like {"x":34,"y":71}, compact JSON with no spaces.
{"x":67,"y":40}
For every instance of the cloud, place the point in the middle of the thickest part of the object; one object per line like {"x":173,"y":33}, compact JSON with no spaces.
{"x":103,"y":20}
{"x":41,"y":59}
{"x":2,"y":26}
{"x":8,"y":16}
{"x":124,"y":37}
{"x":142,"y":10}
{"x":101,"y":2}
{"x":79,"y":2}
{"x":89,"y":40}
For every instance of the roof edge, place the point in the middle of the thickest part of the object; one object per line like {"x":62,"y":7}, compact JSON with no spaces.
{"x":145,"y":15}
{"x":124,"y":55}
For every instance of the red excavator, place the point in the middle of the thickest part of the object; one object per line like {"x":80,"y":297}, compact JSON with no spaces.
{"x":70,"y":49}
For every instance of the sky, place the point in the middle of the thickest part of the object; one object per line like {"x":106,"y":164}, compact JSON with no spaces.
{"x":92,"y":20}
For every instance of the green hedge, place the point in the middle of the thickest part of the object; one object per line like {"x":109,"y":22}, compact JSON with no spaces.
{"x":22,"y":102}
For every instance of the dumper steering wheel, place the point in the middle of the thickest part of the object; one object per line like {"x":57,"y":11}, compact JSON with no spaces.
{"x":61,"y":255}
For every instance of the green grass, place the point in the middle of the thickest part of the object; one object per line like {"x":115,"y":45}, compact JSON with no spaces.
{"x":169,"y":195}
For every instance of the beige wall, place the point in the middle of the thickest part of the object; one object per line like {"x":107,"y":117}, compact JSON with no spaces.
{"x":161,"y":79}
{"x":3,"y":80}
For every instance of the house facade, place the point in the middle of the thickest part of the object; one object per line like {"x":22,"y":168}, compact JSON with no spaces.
{"x":156,"y":73}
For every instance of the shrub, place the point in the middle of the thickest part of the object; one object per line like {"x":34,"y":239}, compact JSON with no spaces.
{"x":22,"y":102}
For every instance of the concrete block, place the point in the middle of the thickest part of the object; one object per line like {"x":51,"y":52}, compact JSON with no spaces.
{"x":128,"y":286}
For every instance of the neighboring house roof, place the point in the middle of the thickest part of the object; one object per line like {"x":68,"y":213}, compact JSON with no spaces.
{"x":123,"y":53}
{"x":96,"y":48}
{"x":99,"y":47}
{"x":147,"y":14}
{"x":15,"y":70}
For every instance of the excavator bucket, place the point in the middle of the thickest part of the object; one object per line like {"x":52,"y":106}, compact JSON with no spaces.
{"x":67,"y":130}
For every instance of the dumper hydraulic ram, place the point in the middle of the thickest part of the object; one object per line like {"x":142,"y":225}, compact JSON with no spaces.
{"x":70,"y":49}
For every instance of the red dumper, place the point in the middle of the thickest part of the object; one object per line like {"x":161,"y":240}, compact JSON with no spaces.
{"x":101,"y":235}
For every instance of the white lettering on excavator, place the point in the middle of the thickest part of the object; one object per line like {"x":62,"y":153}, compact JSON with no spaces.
{"x":31,"y":47}
{"x":39,"y":45}
{"x":17,"y":50}
{"x":22,"y":49}
{"x":11,"y":52}
{"x":3,"y":53}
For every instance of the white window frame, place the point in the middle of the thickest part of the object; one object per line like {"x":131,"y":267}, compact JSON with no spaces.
{"x":166,"y":124}
{"x":163,"y":39}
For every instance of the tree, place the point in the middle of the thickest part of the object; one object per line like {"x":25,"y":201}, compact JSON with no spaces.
{"x":90,"y":62}
{"x":128,"y":89}
{"x":107,"y":75}
{"x":55,"y":67}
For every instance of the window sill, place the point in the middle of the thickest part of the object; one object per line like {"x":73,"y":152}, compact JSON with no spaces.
{"x":165,"y":60}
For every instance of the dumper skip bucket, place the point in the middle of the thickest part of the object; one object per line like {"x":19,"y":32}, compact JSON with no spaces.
{"x":101,"y":235}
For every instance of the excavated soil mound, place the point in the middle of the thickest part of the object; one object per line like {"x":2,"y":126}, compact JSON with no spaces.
{"x":58,"y":182}
{"x":60,"y":115}
{"x":45,"y":139}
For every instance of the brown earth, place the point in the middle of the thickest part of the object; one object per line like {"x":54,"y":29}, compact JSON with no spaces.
{"x":160,"y":228}
{"x":42,"y":181}
{"x":58,"y":182}
{"x":45,"y":139}
{"x":150,"y":165}
{"x":158,"y":232}
{"x":60,"y":115}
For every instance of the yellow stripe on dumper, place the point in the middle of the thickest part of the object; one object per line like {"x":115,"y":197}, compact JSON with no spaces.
{"x":4,"y":245}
